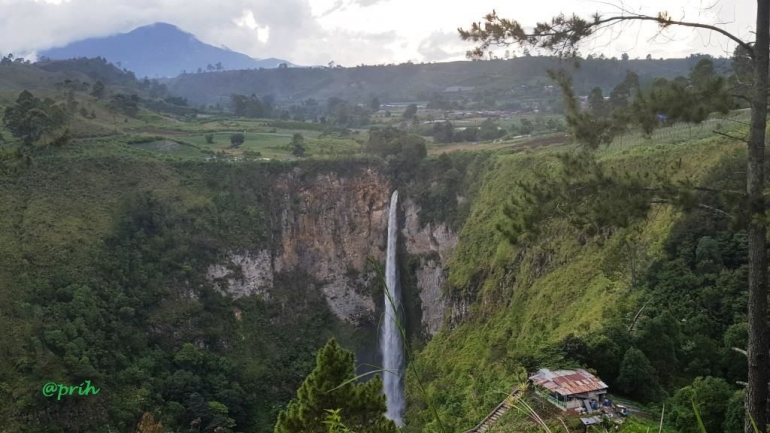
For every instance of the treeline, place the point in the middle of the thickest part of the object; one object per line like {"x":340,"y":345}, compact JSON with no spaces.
{"x":689,"y":99}
{"x":336,"y":112}
{"x":418,"y":82}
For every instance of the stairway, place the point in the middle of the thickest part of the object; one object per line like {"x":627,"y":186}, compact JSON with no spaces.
{"x":497,"y":413}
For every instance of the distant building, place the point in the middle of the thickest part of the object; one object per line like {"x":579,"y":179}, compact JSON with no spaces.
{"x":458,"y":89}
{"x":570,"y":390}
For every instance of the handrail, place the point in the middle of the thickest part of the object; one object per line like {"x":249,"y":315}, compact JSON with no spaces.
{"x":514,"y":392}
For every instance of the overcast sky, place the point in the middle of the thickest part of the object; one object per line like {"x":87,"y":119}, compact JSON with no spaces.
{"x":352,"y":32}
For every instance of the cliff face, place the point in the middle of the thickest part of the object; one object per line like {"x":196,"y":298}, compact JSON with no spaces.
{"x":433,"y":243}
{"x":327,"y":227}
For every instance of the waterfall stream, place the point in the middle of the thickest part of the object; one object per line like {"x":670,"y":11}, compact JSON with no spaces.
{"x":390,"y":342}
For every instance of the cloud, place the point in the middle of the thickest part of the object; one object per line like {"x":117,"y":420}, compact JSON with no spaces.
{"x":316,"y":31}
{"x":267,"y":28}
{"x":367,"y":3}
{"x":442,"y":46}
{"x":360,"y":47}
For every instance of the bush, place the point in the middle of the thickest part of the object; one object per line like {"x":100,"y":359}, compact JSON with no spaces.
{"x":237,"y":139}
{"x":209,"y":138}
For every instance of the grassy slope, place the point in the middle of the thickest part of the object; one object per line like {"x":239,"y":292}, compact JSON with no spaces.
{"x":527,"y":300}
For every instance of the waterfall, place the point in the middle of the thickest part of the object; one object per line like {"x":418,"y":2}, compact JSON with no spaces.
{"x":390,"y":342}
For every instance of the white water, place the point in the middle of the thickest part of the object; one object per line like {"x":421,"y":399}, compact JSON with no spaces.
{"x":390,"y":342}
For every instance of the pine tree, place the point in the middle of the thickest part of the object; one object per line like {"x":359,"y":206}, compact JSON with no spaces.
{"x":330,"y":386}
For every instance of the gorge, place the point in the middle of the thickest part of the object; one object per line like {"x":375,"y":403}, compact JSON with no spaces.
{"x":245,"y":270}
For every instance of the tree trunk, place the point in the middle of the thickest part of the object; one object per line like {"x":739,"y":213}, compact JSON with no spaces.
{"x":756,"y":393}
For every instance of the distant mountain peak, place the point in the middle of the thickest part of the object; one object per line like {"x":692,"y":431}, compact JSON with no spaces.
{"x":158,"y":50}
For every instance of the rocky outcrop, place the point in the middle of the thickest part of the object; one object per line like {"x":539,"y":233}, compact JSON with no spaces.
{"x":434,"y":244}
{"x":243,"y":274}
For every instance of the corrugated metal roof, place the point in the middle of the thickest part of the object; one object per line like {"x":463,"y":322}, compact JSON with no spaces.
{"x":567,"y":382}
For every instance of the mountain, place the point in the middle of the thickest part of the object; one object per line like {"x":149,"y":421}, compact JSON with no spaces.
{"x":159,"y":50}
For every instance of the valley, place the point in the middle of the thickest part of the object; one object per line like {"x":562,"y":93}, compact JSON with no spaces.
{"x":192,"y":245}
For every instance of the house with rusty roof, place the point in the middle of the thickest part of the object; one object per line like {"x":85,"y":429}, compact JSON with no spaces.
{"x":570,"y":390}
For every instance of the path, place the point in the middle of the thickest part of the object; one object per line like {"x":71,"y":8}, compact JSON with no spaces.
{"x":497,"y":413}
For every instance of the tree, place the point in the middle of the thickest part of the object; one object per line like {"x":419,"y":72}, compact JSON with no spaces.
{"x":596,"y":103}
{"x":624,"y":57}
{"x":443,"y":132}
{"x":489,"y":130}
{"x":331,"y":386}
{"x":237,"y":139}
{"x":125,"y":104}
{"x":98,"y":90}
{"x":209,"y":138}
{"x":219,"y":66}
{"x":374,"y":104}
{"x":649,"y":57}
{"x":526,"y":126}
{"x":710,"y":395}
{"x":563,"y":35}
{"x":410,"y":112}
{"x":298,"y":145}
{"x":637,"y":377}
{"x":30,"y":118}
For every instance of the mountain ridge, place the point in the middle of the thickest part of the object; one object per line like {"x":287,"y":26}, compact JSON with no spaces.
{"x":159,"y":50}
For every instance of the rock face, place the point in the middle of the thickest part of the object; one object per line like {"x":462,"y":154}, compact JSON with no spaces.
{"x":434,"y":244}
{"x":326,"y":226}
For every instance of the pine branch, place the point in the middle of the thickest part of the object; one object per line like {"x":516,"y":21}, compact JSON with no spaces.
{"x":562,"y":35}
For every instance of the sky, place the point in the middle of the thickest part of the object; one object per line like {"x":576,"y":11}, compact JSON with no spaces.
{"x":354,"y":32}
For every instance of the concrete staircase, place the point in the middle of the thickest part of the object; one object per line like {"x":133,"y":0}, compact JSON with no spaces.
{"x":497,"y":413}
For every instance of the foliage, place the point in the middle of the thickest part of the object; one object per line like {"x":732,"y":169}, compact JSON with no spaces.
{"x":124,"y":104}
{"x":248,"y":106}
{"x":30,"y":118}
{"x":237,"y":139}
{"x":331,"y":385}
{"x":710,"y":395}
{"x":98,"y":90}
{"x":410,"y":112}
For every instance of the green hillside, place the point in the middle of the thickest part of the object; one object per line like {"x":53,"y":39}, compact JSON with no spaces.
{"x":525,"y":303}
